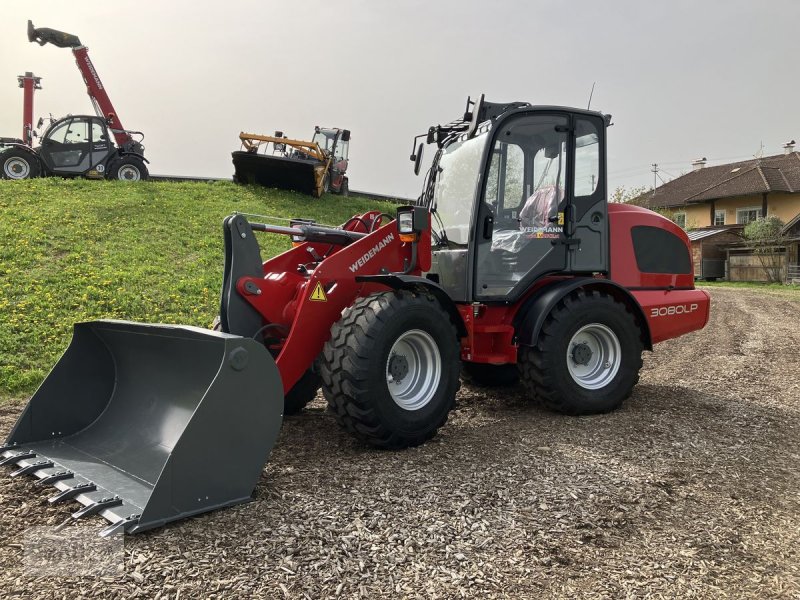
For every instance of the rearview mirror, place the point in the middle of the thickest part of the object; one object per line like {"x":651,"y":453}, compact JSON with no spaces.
{"x":40,"y":123}
{"x":417,"y":158}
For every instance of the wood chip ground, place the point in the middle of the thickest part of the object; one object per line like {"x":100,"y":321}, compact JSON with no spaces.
{"x":690,"y":490}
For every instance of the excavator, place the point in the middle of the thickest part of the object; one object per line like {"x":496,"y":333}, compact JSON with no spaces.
{"x":92,"y":146}
{"x":512,"y":259}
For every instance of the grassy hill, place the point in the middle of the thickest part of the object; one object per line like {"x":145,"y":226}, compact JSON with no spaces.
{"x":76,"y":250}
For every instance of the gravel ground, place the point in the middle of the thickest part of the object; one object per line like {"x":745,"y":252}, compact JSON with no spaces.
{"x":690,"y":490}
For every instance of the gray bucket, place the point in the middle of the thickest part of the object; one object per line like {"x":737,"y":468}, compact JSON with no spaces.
{"x":145,"y":424}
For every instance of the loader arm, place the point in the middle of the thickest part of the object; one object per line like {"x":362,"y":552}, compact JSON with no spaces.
{"x":252,"y":141}
{"x":298,"y":297}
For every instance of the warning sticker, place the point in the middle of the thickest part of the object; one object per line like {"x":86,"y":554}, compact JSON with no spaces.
{"x":318,"y":295}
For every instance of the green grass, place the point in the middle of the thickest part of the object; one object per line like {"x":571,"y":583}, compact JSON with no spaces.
{"x":788,"y":292}
{"x":74,"y":250}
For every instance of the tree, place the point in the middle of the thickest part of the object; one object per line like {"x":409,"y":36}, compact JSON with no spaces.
{"x":765,"y":236}
{"x":637,"y":196}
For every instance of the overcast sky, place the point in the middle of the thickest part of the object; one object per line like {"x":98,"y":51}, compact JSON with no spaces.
{"x":683,"y":79}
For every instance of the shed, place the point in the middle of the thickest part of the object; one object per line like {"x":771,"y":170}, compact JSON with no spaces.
{"x":709,"y":250}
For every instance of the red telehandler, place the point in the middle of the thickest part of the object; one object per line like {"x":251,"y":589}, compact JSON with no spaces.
{"x":511,"y":260}
{"x":76,"y":145}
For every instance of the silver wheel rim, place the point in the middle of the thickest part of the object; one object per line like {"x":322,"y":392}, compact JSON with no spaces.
{"x":129,"y":173}
{"x":594,"y":356}
{"x":413,"y":369}
{"x":16,"y":168}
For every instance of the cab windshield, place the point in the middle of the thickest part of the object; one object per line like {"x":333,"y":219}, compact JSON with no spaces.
{"x":459,"y":166}
{"x":324,"y":139}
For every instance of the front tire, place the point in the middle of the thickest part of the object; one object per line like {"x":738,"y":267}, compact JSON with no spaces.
{"x":18,"y":164}
{"x":390,"y":369}
{"x":128,"y":168}
{"x":587,"y":357}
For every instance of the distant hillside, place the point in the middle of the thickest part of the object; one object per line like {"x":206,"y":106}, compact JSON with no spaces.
{"x":74,"y":250}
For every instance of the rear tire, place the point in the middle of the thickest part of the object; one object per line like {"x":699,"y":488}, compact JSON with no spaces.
{"x":390,"y":369}
{"x":128,"y":168}
{"x":18,"y":164}
{"x":490,"y":375}
{"x":345,"y":191}
{"x":587,"y":357}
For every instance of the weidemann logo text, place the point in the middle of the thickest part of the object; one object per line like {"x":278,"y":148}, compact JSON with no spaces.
{"x":372,"y":252}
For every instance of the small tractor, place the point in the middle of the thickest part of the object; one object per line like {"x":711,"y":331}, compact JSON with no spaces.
{"x":511,"y":265}
{"x":76,"y":145}
{"x":313,"y":168}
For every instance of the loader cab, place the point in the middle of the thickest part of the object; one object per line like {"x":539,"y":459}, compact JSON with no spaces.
{"x":520,"y":197}
{"x":335,"y":141}
{"x":76,"y":144}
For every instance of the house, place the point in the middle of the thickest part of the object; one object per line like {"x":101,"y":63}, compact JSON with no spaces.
{"x":715,"y":203}
{"x":734,"y":193}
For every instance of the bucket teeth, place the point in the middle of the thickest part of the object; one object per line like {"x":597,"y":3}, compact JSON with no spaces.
{"x":70,"y":493}
{"x":7,"y":447}
{"x":33,"y":467}
{"x":17,"y":457}
{"x":59,"y":476}
{"x":120,"y":526}
{"x":100,"y":505}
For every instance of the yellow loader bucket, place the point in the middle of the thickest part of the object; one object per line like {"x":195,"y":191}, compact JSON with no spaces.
{"x":145,"y":424}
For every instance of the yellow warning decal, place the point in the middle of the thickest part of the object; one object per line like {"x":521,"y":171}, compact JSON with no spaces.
{"x":318,"y":295}
{"x":561,"y":218}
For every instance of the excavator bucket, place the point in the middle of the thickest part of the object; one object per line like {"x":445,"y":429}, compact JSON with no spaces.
{"x":145,"y":424}
{"x":301,"y":175}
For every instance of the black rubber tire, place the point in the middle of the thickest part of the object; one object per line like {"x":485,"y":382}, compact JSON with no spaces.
{"x":543,"y":368}
{"x":490,"y":375}
{"x":128,"y":161}
{"x":303,"y":392}
{"x":353,"y":367}
{"x":345,"y":191}
{"x":12,"y":156}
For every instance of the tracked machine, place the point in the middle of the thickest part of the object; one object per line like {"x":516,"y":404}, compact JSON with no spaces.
{"x":313,"y":168}
{"x":512,"y":264}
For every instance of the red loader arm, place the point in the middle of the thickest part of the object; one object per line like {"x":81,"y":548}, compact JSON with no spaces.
{"x":301,"y":293}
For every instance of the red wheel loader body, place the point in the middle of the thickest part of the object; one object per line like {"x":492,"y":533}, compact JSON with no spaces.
{"x":144,"y":424}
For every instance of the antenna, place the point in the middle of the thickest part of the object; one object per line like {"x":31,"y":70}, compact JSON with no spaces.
{"x":588,"y":106}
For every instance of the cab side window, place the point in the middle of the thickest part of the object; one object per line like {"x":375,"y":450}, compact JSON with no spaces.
{"x":77,"y":132}
{"x":98,"y":133}
{"x":587,"y":157}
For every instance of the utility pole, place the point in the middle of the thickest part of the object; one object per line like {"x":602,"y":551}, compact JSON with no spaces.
{"x":655,"y":175}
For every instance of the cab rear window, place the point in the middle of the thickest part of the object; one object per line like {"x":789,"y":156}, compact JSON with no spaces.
{"x":660,"y":251}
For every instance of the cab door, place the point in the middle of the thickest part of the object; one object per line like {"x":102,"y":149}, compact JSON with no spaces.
{"x":519,"y":223}
{"x":543,"y":208}
{"x":66,"y":147}
{"x":588,"y":222}
{"x":101,"y":145}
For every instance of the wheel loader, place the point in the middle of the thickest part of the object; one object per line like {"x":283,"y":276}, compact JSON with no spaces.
{"x":313,"y":168}
{"x":511,"y":264}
